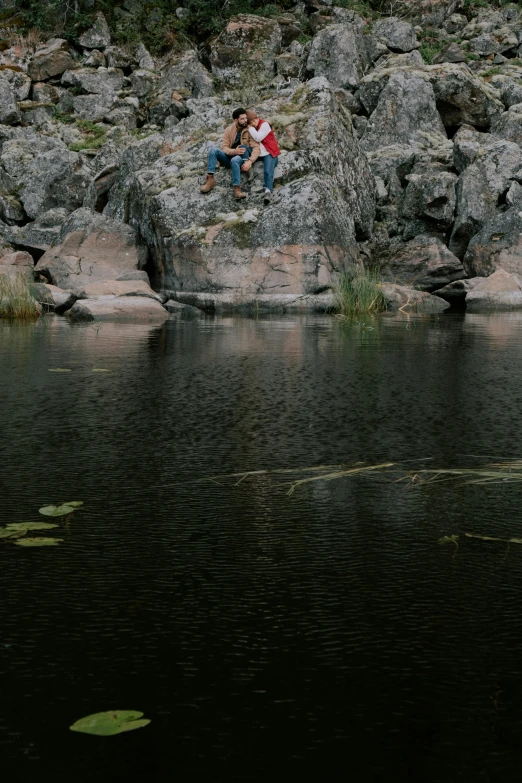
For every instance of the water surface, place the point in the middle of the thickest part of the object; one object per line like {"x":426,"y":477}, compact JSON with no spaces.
{"x":262,"y":633}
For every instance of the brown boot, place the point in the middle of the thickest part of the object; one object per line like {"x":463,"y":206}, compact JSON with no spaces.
{"x":238,"y":193}
{"x":209,"y":184}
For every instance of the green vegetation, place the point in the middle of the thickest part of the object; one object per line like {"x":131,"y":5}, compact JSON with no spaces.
{"x":494,"y":71}
{"x":360,"y":295}
{"x":17,"y":299}
{"x":62,"y":510}
{"x":428,"y":51}
{"x":62,"y":116}
{"x":430,"y":44}
{"x":155,"y":22}
{"x":95,"y":136}
{"x":107,"y":724}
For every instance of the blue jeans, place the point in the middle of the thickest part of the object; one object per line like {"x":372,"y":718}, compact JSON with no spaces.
{"x":269,"y":166}
{"x":234,"y":163}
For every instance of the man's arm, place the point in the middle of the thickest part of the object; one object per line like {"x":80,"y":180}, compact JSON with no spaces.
{"x":256,"y":149}
{"x":228,"y":139}
{"x":258,"y":134}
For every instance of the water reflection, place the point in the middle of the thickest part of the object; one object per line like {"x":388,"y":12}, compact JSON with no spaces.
{"x":328,"y":626}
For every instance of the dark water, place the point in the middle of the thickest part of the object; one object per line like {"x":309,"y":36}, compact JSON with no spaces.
{"x":263,"y":634}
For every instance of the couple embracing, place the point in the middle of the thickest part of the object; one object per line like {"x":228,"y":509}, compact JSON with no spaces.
{"x":247,"y":139}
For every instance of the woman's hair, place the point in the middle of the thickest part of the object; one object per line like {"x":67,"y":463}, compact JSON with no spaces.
{"x":237,"y":113}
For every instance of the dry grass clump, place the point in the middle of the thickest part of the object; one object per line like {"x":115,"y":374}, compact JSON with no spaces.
{"x":360,"y":295}
{"x":17,"y":299}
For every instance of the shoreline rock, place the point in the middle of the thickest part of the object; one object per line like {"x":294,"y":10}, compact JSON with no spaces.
{"x":387,"y":160}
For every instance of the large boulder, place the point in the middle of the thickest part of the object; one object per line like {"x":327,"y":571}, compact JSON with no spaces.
{"x":396,"y":34}
{"x":340,"y":54}
{"x":451,"y":53}
{"x":20,"y":83}
{"x":500,"y":291}
{"x":498,"y":245}
{"x":424,"y":263}
{"x":461,"y":96}
{"x":47,"y":174}
{"x":100,"y":81}
{"x":475,"y":205}
{"x":468,"y":144}
{"x":409,"y":300}
{"x":91,"y":248}
{"x":406,"y":109}
{"x":431,"y":197}
{"x":298,"y":244}
{"x":98,"y":36}
{"x":17,"y":264}
{"x":118,"y":308}
{"x":509,"y":125}
{"x":186,"y":74}
{"x":244,"y":53}
{"x":116,"y":288}
{"x":495,"y":164}
{"x":391,"y":165}
{"x":51,"y":60}
{"x":510,"y":92}
{"x":40,"y":234}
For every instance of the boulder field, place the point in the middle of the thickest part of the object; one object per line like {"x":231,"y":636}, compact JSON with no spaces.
{"x":396,"y":155}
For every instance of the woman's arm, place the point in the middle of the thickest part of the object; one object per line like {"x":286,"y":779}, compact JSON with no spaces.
{"x":260,"y":133}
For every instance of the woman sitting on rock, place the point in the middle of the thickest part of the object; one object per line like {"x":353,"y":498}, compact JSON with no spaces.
{"x":261,"y":131}
{"x":238,"y":152}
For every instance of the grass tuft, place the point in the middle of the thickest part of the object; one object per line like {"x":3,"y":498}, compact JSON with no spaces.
{"x":360,"y":295}
{"x":16,"y":299}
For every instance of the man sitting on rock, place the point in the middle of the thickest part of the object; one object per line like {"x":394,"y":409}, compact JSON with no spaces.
{"x":262,"y":133}
{"x":238,"y":152}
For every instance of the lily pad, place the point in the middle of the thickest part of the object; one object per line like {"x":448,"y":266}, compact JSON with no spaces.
{"x":105,"y":724}
{"x":24,"y":526}
{"x":7,"y":533}
{"x":38,"y":541}
{"x":59,"y":369}
{"x":60,"y":511}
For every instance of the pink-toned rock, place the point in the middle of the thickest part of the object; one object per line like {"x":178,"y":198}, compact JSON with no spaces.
{"x":18,"y":258}
{"x":117,"y":288}
{"x":500,"y":291}
{"x":92,"y":248}
{"x":17,"y":263}
{"x":118,"y":308}
{"x":409,"y":300}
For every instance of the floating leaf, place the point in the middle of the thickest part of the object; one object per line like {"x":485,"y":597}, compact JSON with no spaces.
{"x":59,"y":369}
{"x":60,"y":511}
{"x":38,"y":541}
{"x":7,"y":533}
{"x":24,"y":526}
{"x":106,"y":724}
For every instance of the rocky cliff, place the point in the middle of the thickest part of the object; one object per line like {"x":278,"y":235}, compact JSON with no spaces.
{"x":401,"y":148}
